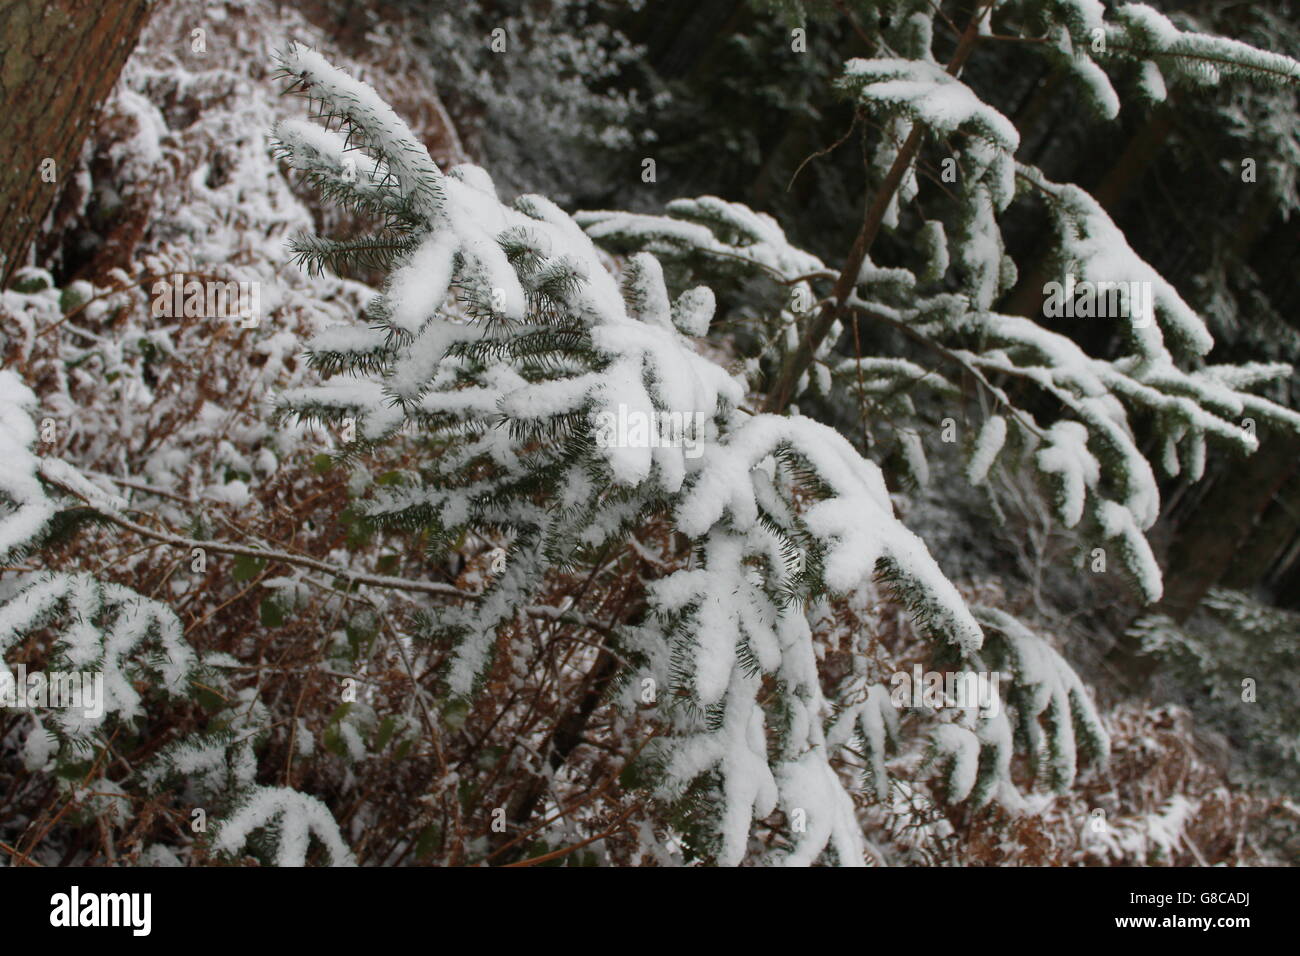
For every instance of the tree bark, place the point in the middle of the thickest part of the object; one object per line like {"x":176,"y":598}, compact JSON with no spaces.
{"x":58,"y":61}
{"x":1223,"y":527}
{"x":1225,"y":521}
{"x":1274,"y":525}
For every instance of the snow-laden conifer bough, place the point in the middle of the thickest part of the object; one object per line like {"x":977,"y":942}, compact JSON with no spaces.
{"x":132,"y":641}
{"x":504,"y":331}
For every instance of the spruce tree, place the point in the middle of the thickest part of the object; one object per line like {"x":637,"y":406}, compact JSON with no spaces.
{"x":505,"y":345}
{"x":554,"y":382}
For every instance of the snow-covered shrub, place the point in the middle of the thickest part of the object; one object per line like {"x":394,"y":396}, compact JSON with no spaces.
{"x":1234,"y":664}
{"x":537,"y":88}
{"x":87,"y":660}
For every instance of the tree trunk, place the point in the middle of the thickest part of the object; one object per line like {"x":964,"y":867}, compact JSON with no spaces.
{"x":58,"y":61}
{"x":1140,"y":152}
{"x":1208,"y":543}
{"x":1223,"y":528}
{"x":1275,"y":524}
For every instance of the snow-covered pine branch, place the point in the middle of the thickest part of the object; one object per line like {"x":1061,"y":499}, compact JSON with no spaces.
{"x":112,"y":655}
{"x":712,"y":237}
{"x":504,"y":345}
{"x":1084,"y":36}
{"x":26,"y":509}
{"x":293,"y":817}
{"x":106,"y":629}
{"x":1091,"y":462}
{"x":510,"y":405}
{"x":1169,"y":55}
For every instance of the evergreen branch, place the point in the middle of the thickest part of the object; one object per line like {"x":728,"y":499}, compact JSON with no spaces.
{"x":782,"y":391}
{"x":1288,"y":71}
{"x":316,"y":253}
